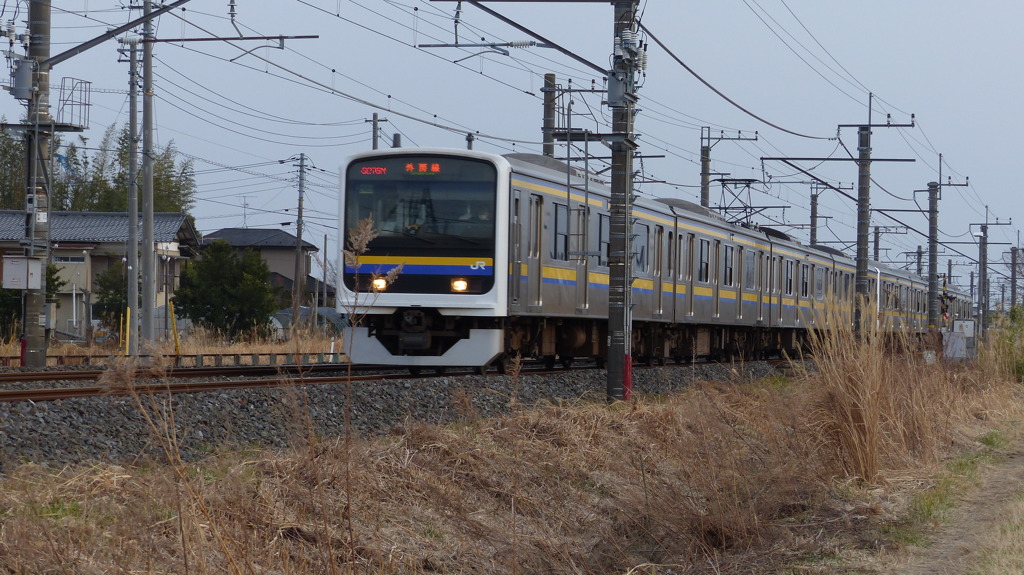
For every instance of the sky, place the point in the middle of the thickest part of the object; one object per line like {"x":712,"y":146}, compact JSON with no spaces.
{"x":793,"y":71}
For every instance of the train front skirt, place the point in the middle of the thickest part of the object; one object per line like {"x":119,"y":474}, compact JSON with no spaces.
{"x":481,"y":348}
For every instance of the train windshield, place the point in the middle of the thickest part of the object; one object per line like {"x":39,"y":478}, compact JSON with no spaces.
{"x":423,"y":201}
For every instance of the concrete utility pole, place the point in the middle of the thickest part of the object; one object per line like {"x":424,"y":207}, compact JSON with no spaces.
{"x":920,"y":260}
{"x":982,"y":278}
{"x":622,"y":100}
{"x":148,"y":265}
{"x":550,"y":97}
{"x":133,"y":197}
{"x":376,"y":129}
{"x":706,"y":144}
{"x":933,"y":255}
{"x":299,"y":281}
{"x":37,"y":201}
{"x":864,"y":209}
{"x":1013,"y":277}
{"x":814,"y":218}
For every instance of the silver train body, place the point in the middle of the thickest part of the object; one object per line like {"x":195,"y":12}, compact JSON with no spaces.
{"x":508,"y":255}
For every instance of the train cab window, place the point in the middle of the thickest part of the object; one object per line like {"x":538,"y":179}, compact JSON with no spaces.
{"x":727,"y":265}
{"x":805,"y":280}
{"x":560,"y":233}
{"x":704,"y":261}
{"x":789,"y":277}
{"x":604,"y":224}
{"x":641,"y":246}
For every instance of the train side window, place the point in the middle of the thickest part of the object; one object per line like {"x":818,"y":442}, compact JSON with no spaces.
{"x":560,"y":248}
{"x":704,"y":263}
{"x":659,"y":256}
{"x":604,"y":224}
{"x":805,"y":280}
{"x":790,"y":265}
{"x":641,"y":245}
{"x":681,"y":256}
{"x":749,"y":269}
{"x":727,"y":267}
{"x":819,"y":283}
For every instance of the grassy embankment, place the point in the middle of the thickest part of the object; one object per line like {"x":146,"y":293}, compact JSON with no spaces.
{"x":795,"y":474}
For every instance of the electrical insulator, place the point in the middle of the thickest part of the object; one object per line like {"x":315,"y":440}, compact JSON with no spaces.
{"x":617,"y":51}
{"x":643,"y":60}
{"x":25,"y":40}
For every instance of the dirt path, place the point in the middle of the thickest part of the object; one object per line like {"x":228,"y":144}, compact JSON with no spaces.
{"x":956,"y":544}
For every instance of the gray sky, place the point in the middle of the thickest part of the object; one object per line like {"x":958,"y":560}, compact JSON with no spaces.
{"x":805,"y":66}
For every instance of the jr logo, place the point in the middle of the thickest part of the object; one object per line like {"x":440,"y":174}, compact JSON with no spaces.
{"x":478,"y":266}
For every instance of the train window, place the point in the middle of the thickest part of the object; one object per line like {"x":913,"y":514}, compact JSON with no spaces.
{"x":704,"y":263}
{"x":727,"y":266}
{"x":536,"y":217}
{"x":604,"y":224}
{"x":658,"y":256}
{"x":681,"y":256}
{"x":749,"y":269}
{"x":560,"y":231}
{"x":789,"y":277}
{"x":672,"y":257}
{"x":819,"y":282}
{"x":641,"y":245}
{"x":805,"y":280}
{"x":689,"y":256}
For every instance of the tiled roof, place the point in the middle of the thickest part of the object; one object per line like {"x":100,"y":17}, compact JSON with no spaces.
{"x":257,"y":238}
{"x":98,"y":227}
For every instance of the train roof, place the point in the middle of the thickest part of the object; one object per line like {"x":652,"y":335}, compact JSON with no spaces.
{"x":553,"y":165}
{"x":690,"y":207}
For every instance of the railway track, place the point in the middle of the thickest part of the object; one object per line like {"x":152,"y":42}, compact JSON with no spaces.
{"x":182,"y":380}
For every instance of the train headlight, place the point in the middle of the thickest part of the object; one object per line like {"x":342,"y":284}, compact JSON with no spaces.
{"x":460,"y":285}
{"x":379,"y":283}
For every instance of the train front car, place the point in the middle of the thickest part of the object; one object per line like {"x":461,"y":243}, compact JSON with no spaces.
{"x":426,"y":290}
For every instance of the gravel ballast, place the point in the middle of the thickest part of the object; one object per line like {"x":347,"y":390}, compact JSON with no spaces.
{"x":114,"y":429}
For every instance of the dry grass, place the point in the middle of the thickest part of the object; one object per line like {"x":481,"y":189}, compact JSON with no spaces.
{"x":717,"y":479}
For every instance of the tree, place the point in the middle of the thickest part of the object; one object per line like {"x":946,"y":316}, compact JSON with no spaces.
{"x":225,"y":292}
{"x":111,"y":295}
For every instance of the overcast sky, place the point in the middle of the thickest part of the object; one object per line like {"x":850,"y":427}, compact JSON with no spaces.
{"x":239,"y":108}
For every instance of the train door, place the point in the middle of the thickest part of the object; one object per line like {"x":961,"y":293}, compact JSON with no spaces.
{"x":691,"y":263}
{"x":657,"y":260}
{"x":516,"y":256}
{"x":741,"y":279}
{"x":716,"y":284}
{"x":578,"y":252}
{"x":534,"y":271}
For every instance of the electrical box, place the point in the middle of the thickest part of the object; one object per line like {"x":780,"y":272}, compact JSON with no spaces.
{"x":22,"y":272}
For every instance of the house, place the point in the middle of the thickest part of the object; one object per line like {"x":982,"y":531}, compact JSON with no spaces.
{"x":84,"y":244}
{"x":278,"y":249}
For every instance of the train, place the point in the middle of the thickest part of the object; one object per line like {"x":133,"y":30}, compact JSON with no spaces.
{"x":478,"y":258}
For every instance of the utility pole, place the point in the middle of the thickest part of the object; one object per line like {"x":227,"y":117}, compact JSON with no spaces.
{"x":983,"y":280}
{"x":299,"y":280}
{"x":706,"y":144}
{"x":376,"y":129}
{"x":814,"y":218}
{"x":622,"y":100}
{"x":1013,"y":277}
{"x":920,"y":260}
{"x":933,"y":255}
{"x":148,"y":240}
{"x":37,"y":202}
{"x":864,"y":208}
{"x":550,"y":97}
{"x":133,"y":197}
